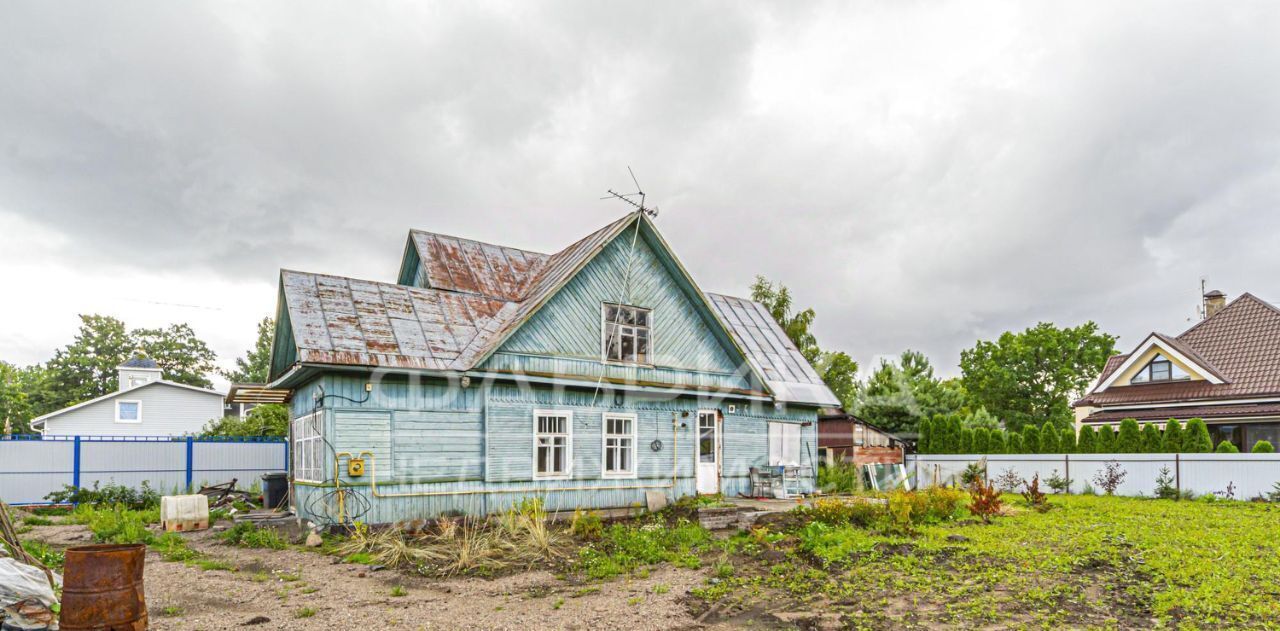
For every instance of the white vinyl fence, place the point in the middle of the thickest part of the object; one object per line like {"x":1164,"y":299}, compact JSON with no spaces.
{"x":1249,"y":474}
{"x":31,"y":467}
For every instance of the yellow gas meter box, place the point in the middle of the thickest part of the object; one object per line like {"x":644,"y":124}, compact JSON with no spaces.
{"x":355,"y":467}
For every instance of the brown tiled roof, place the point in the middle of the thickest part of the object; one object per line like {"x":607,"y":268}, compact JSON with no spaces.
{"x":1240,"y":344}
{"x":1184,"y":413}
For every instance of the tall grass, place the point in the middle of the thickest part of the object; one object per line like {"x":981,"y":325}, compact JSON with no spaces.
{"x":518,"y":538}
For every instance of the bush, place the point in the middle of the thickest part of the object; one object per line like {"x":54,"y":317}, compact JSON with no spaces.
{"x":997,"y":444}
{"x":110,"y":495}
{"x":1034,"y":497}
{"x":271,"y":419}
{"x":1227,"y":447}
{"x":966,"y":441}
{"x":1030,"y":439}
{"x":1152,"y":443}
{"x":1067,"y":441}
{"x":1129,"y":441}
{"x":1087,"y":442}
{"x":984,"y":501}
{"x":1263,"y":447}
{"x":1106,"y":441}
{"x":1110,"y":477}
{"x":1197,"y":440}
{"x":1014,"y":445}
{"x":1008,"y":481}
{"x":1172,"y":443}
{"x":587,"y":524}
{"x":981,"y":440}
{"x":924,"y":436}
{"x":1049,"y":439}
{"x":248,"y":535}
{"x":843,"y":513}
{"x":973,"y":471}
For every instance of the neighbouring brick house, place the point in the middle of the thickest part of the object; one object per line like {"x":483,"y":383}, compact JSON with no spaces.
{"x":1225,"y":370}
{"x":843,"y":437}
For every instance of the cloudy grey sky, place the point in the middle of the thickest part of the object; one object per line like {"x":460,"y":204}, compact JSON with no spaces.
{"x":924,"y":174}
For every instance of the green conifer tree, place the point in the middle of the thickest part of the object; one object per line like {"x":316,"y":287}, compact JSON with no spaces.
{"x":1197,"y":440}
{"x":1086,"y":443}
{"x":1030,"y":439}
{"x":924,"y":435}
{"x":1067,"y":441}
{"x":1263,"y":447}
{"x":1172,"y":436}
{"x":1129,"y":441}
{"x":966,"y":440}
{"x":1106,"y":441}
{"x":1152,"y":443}
{"x":1227,"y":447}
{"x":1014,"y":443}
{"x":998,"y":442}
{"x":1049,"y":439}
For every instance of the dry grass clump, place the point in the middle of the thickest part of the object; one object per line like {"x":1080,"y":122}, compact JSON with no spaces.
{"x":518,"y":538}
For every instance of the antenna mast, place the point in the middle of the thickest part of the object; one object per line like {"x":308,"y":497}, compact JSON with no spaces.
{"x":626,"y":197}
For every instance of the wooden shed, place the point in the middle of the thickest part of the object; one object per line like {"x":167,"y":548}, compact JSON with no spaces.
{"x":845,"y":438}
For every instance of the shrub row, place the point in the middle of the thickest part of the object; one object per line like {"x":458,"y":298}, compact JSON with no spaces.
{"x":947,"y":435}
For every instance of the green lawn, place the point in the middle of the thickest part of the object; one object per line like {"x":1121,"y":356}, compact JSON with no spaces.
{"x":1090,"y":562}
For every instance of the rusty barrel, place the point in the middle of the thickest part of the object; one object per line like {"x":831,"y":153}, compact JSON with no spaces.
{"x":102,"y":588}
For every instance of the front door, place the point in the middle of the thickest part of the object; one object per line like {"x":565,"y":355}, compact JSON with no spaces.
{"x":708,"y":453}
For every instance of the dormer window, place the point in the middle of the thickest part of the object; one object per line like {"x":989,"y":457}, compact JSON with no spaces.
{"x":626,"y":334}
{"x":1160,"y":369}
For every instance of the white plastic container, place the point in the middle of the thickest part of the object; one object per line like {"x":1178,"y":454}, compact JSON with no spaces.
{"x":180,"y":513}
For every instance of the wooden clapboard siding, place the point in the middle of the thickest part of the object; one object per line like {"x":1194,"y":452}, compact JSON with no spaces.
{"x":430,"y":437}
{"x":569,"y":324}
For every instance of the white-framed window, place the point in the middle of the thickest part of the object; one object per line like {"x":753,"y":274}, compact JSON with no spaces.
{"x":1160,"y":369}
{"x":308,"y":448}
{"x":135,"y":381}
{"x":784,"y":444}
{"x":552,"y":444}
{"x":128,"y":411}
{"x":619,"y":446}
{"x":626,"y":333}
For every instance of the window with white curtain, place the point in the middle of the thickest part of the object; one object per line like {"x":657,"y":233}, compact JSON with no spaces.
{"x":619,"y":445}
{"x":308,"y":448}
{"x":784,"y":444}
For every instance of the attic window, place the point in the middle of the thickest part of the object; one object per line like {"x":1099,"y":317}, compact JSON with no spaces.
{"x":626,"y":334}
{"x":1160,"y":369}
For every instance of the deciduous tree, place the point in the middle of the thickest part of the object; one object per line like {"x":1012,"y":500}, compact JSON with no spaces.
{"x":836,"y":368}
{"x":1023,"y":377}
{"x":253,"y":367}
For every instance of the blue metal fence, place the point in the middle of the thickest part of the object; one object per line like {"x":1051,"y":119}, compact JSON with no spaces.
{"x":31,"y":467}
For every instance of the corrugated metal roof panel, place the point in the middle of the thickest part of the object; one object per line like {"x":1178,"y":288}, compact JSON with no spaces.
{"x":474,"y":267}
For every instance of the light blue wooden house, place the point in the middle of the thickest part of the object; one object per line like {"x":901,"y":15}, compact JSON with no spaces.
{"x":488,"y":374}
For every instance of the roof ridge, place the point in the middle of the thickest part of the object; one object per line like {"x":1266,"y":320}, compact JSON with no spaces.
{"x":456,"y":237}
{"x":1238,"y":299}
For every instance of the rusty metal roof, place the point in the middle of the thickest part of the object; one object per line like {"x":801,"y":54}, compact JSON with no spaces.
{"x":471,"y":296}
{"x":473,"y":267}
{"x":358,"y":322}
{"x":773,"y":354}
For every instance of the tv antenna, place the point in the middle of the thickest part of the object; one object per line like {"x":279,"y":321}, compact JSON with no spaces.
{"x":627,"y":197}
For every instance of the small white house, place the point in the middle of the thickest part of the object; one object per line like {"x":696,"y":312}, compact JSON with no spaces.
{"x":145,"y":405}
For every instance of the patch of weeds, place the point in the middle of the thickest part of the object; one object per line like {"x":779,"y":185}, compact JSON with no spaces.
{"x":305,"y":612}
{"x":399,"y":591}
{"x":172,"y":611}
{"x":36,"y":520}
{"x":558,"y":603}
{"x":172,"y":547}
{"x":118,"y":524}
{"x":50,"y":557}
{"x":291,"y":577}
{"x":260,"y":577}
{"x":635,"y":600}
{"x":310,"y":589}
{"x":723,"y":570}
{"x":359,"y":558}
{"x":247,"y":535}
{"x":624,"y":548}
{"x":585,"y":591}
{"x":212,"y":565}
{"x":661,"y":588}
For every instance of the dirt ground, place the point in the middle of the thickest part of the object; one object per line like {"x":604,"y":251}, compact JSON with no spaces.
{"x":296,"y":589}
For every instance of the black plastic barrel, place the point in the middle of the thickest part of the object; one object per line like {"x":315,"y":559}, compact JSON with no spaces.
{"x":275,"y":490}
